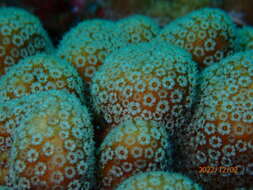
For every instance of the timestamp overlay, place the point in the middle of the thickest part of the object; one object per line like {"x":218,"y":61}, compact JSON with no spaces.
{"x":218,"y":169}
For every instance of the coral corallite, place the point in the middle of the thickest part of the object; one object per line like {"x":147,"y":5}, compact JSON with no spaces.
{"x":159,"y":181}
{"x":151,"y":81}
{"x":221,"y":132}
{"x":137,"y":28}
{"x":208,"y":34}
{"x":133,"y":147}
{"x":53,"y":145}
{"x":40,"y":73}
{"x":87,"y":45}
{"x":21,"y":35}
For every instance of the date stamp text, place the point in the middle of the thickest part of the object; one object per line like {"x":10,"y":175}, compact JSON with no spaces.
{"x":218,"y":169}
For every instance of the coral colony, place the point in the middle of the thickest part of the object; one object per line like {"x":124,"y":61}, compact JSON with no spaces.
{"x":126,"y":104}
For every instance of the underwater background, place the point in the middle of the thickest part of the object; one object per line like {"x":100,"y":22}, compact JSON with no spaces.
{"x":126,"y":95}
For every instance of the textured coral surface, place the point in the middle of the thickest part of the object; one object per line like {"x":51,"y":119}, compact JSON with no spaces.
{"x":137,"y":95}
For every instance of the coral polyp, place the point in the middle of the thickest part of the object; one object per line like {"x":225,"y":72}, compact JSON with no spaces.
{"x":21,"y":35}
{"x":133,"y":147}
{"x":208,"y":34}
{"x":151,"y":81}
{"x":159,"y":180}
{"x":37,"y":73}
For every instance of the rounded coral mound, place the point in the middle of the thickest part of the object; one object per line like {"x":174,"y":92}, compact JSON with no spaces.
{"x":208,"y":34}
{"x":87,"y":45}
{"x":150,"y":81}
{"x":132,"y":147}
{"x":11,"y":114}
{"x":137,"y":28}
{"x":40,"y":73}
{"x":21,"y":35}
{"x":158,"y":181}
{"x":53,"y":144}
{"x":220,"y":134}
{"x":246,"y":37}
